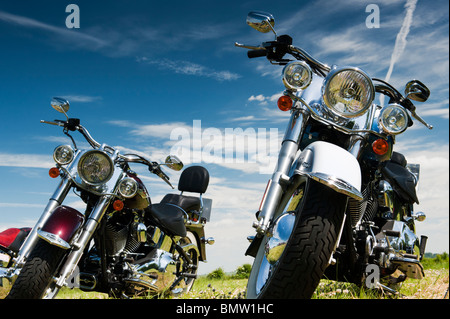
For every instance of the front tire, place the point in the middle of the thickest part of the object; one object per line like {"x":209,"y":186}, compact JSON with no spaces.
{"x":297,"y":273}
{"x":35,"y":280}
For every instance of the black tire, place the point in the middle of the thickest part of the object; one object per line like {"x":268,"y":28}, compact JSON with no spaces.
{"x":37,"y":274}
{"x":297,"y":273}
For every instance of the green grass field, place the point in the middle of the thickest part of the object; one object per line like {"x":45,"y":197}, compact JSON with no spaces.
{"x":218,"y":285}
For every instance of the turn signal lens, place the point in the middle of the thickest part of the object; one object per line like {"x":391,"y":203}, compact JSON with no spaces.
{"x":285,"y":103}
{"x":118,"y":205}
{"x":380,"y":146}
{"x":53,"y":172}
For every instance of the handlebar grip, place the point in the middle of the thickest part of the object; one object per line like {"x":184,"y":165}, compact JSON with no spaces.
{"x":256,"y":53}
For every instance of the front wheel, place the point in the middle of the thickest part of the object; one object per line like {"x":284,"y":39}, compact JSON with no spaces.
{"x":35,"y":280}
{"x":317,"y":215}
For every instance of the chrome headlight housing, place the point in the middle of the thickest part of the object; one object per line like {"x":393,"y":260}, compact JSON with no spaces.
{"x":63,"y":154}
{"x":95,"y":167}
{"x":393,"y":119}
{"x":348,"y":92}
{"x":297,"y":75}
{"x":128,"y":187}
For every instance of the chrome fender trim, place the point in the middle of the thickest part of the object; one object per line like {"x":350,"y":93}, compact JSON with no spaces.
{"x":53,"y":239}
{"x":330,"y":165}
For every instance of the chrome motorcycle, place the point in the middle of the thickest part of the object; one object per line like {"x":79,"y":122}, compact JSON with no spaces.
{"x":122,"y":244}
{"x":340,"y":201}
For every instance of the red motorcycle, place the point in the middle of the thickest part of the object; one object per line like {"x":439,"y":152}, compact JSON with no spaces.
{"x":122,"y":244}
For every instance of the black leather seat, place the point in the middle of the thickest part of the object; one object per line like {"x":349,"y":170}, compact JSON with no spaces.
{"x":170,"y":217}
{"x":402,"y":181}
{"x":194,"y":179}
{"x":188,"y":203}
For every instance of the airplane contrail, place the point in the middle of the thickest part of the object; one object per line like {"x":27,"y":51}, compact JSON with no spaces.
{"x":400,"y":41}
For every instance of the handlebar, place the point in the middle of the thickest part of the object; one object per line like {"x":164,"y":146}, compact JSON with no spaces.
{"x":74,"y":125}
{"x":275,"y":51}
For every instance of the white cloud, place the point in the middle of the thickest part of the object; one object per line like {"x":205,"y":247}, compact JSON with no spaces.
{"x":26,"y":160}
{"x":81,"y":98}
{"x":76,"y":38}
{"x":190,"y":68}
{"x":433,"y":189}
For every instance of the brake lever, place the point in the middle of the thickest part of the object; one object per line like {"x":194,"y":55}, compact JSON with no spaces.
{"x":156,"y":169}
{"x":57,"y":122}
{"x":421,"y":120}
{"x":250,"y":47}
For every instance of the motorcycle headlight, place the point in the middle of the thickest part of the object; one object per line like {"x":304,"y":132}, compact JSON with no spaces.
{"x":297,"y":75}
{"x":393,"y":119}
{"x":128,"y":187}
{"x":348,"y":92}
{"x":63,"y":154}
{"x":95,"y":167}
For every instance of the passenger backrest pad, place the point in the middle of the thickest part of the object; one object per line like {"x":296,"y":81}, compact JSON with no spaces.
{"x":194,"y":179}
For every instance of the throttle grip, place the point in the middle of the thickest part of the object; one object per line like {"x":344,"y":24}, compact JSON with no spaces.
{"x":256,"y":53}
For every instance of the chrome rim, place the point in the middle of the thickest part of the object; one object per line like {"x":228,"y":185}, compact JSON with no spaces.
{"x":273,"y":246}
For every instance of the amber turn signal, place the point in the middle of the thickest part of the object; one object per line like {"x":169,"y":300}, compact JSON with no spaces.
{"x":53,"y":172}
{"x":118,"y":204}
{"x":380,"y":146}
{"x":285,"y":103}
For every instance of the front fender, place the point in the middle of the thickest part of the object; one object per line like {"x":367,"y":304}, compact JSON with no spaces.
{"x":61,"y":226}
{"x":330,"y":165}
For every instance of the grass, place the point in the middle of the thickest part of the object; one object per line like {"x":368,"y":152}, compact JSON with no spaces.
{"x":218,"y":285}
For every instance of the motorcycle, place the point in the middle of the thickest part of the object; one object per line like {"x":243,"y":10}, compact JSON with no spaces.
{"x":122,"y":245}
{"x":339,"y":204}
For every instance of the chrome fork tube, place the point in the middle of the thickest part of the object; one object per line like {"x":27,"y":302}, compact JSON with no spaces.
{"x":58,"y":197}
{"x":85,"y":235}
{"x":280,"y":178}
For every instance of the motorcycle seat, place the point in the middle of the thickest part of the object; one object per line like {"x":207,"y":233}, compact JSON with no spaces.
{"x":170,"y":217}
{"x":187,"y":203}
{"x":12,"y":238}
{"x":400,"y":178}
{"x":194,"y":179}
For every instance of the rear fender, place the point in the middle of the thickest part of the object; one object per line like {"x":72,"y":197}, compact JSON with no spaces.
{"x":61,"y":226}
{"x":330,"y":165}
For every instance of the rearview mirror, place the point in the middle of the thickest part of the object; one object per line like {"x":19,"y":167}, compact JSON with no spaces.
{"x":261,"y":21}
{"x":174,"y":162}
{"x":60,"y":104}
{"x":417,"y":91}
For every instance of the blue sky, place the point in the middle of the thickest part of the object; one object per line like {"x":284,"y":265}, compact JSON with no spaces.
{"x":136,"y":71}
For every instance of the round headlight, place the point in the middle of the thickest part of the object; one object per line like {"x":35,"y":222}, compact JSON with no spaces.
{"x":95,"y":167}
{"x":128,"y":187}
{"x":348,"y":92}
{"x":393,"y":119}
{"x":63,"y":154}
{"x":297,"y":75}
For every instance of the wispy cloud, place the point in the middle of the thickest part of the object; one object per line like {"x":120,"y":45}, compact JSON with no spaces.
{"x":190,"y":68}
{"x":82,"y":98}
{"x":76,"y":37}
{"x":26,"y":160}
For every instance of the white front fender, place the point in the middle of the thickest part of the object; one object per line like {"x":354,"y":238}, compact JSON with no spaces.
{"x":331,"y":165}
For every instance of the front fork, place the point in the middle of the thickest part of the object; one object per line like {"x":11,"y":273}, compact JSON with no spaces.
{"x":80,"y":242}
{"x":280,"y":178}
{"x":83,"y":239}
{"x":58,"y":197}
